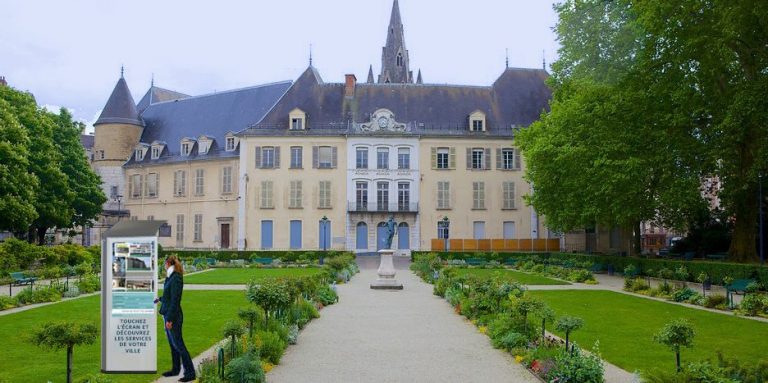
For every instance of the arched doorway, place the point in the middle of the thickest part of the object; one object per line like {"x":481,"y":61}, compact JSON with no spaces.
{"x":361,"y":235}
{"x":403,"y":237}
{"x":381,"y":235}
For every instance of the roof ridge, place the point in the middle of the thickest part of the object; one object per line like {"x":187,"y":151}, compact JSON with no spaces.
{"x":223,"y":92}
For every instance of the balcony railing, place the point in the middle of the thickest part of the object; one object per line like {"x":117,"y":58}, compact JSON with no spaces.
{"x":374,"y":207}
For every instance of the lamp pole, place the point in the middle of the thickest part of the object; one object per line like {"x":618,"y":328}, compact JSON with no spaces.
{"x":119,"y":199}
{"x":446,"y":225}
{"x":760,"y":207}
{"x":323,"y":229}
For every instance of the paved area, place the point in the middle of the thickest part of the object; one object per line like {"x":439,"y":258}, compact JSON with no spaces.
{"x":405,"y":336}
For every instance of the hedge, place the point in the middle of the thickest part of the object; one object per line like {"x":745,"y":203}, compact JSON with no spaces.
{"x":229,"y":255}
{"x":716,"y":270}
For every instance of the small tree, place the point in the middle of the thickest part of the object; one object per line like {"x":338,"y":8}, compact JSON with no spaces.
{"x":547,"y":315}
{"x":58,"y":335}
{"x":675,"y":335}
{"x":269,"y":294}
{"x":251,"y":315}
{"x":703,"y":278}
{"x":682,"y":274}
{"x":568,"y":324}
{"x":526,"y":305}
{"x":233,"y":329}
{"x":665,"y":274}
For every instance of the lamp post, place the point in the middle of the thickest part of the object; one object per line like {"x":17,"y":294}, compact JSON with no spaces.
{"x":760,"y":207}
{"x":323,"y":238}
{"x":446,"y":224}
{"x":118,"y":198}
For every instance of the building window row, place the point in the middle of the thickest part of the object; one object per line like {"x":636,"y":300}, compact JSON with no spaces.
{"x":508,"y":195}
{"x":295,"y":195}
{"x":323,"y":157}
{"x":148,"y":186}
{"x":382,"y":158}
{"x":382,"y":196}
{"x":477,"y":158}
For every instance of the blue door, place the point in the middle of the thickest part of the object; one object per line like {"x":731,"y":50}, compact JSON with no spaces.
{"x":324,"y":234}
{"x":266,"y":235}
{"x":403,"y":239}
{"x":381,"y":235}
{"x":361,"y":235}
{"x":295,"y":234}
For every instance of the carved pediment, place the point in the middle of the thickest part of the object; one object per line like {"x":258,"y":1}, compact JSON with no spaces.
{"x":383,"y":120}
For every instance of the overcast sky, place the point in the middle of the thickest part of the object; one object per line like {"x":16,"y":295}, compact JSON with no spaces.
{"x":69,"y":53}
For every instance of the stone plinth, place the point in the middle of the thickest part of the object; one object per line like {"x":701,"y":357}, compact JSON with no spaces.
{"x":386,"y":271}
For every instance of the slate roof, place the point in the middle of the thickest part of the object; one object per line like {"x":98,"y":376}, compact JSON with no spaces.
{"x":120,"y":108}
{"x":87,"y":141}
{"x":515,"y":100}
{"x":156,"y":94}
{"x":213,"y":115}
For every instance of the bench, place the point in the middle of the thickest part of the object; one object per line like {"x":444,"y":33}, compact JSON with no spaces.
{"x":688,"y":256}
{"x":211,"y":261}
{"x":739,"y":285}
{"x":19,"y":279}
{"x":475,"y":262}
{"x":717,"y":256}
{"x":198,"y":261}
{"x":239,"y":262}
{"x":511,"y":261}
{"x":262,"y":261}
{"x":596,"y":267}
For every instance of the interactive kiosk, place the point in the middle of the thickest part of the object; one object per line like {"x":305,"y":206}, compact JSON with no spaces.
{"x":129,"y":288}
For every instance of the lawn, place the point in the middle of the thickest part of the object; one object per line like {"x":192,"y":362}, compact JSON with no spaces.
{"x":241,"y":276}
{"x":512,"y":275}
{"x":625,"y":326}
{"x":204,"y":315}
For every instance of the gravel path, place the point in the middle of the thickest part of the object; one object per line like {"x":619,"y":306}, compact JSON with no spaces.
{"x":382,"y":336}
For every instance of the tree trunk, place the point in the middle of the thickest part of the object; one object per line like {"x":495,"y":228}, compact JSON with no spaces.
{"x":566,"y":341}
{"x":69,"y":364}
{"x":637,"y":239}
{"x":543,"y":329}
{"x":743,"y":247}
{"x":677,"y":355}
{"x":41,"y":235}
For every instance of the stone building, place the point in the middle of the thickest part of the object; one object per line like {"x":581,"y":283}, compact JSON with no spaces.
{"x":309,"y":164}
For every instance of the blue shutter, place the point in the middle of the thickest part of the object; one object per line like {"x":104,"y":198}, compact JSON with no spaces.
{"x":266,"y":235}
{"x":403,"y":240}
{"x":295,"y":234}
{"x":362,"y":236}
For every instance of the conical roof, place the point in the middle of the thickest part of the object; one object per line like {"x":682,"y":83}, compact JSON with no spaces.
{"x":120,"y":108}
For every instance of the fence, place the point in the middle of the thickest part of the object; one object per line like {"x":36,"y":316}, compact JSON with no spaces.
{"x":497,"y":244}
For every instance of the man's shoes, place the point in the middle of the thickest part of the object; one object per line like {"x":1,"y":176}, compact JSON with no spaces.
{"x":187,"y":379}
{"x":171,"y":373}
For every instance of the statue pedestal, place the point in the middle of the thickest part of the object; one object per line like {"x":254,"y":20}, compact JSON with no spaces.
{"x":386,"y":273}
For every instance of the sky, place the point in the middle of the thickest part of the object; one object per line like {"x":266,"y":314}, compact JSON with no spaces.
{"x":69,"y":53}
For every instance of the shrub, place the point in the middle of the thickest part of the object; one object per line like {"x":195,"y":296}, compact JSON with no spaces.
{"x":676,"y":335}
{"x":245,"y":369}
{"x":89,"y":283}
{"x":568,"y":324}
{"x":293,"y":334}
{"x":7,"y":302}
{"x":39,"y":295}
{"x":272,"y":347}
{"x":71,"y":292}
{"x":577,"y":367}
{"x":510,"y":340}
{"x":95,"y":378}
{"x":270,"y":294}
{"x":697,"y":372}
{"x":683,"y":295}
{"x":715,"y":301}
{"x":580,"y":276}
{"x":326,"y":296}
{"x":208,"y":371}
{"x":754,"y":304}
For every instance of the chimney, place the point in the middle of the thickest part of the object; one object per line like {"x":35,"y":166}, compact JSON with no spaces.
{"x":349,"y":85}
{"x":2,"y":81}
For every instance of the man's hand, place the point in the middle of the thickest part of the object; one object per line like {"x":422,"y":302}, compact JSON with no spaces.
{"x":168,"y":325}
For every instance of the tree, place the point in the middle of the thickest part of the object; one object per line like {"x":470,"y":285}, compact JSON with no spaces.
{"x":88,"y":198}
{"x":251,"y":315}
{"x":270,"y":294}
{"x":233,"y":329}
{"x":675,"y":335}
{"x":17,"y":198}
{"x":546,"y":314}
{"x":58,"y":335}
{"x":526,"y":305}
{"x":568,"y":324}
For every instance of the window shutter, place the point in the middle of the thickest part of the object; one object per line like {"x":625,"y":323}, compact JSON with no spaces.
{"x":499,"y":159}
{"x":517,"y":159}
{"x":315,"y":158}
{"x":434,"y":158}
{"x":334,"y":157}
{"x":175,"y":183}
{"x":299,"y":197}
{"x":469,"y":158}
{"x":157,"y":185}
{"x":257,"y":151}
{"x":141,"y":185}
{"x":512,"y":194}
{"x":452,"y":158}
{"x":277,"y":157}
{"x":487,"y":158}
{"x":130,"y":186}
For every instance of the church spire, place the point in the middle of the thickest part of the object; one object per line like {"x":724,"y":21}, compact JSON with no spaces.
{"x":370,"y":75}
{"x":394,"y":56}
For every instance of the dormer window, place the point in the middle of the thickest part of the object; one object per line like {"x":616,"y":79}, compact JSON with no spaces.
{"x":230,"y":144}
{"x":140,"y":151}
{"x":204,"y":144}
{"x":186,"y":148}
{"x":139,"y":155}
{"x":156,"y":152}
{"x":477,"y":121}
{"x":297,"y":120}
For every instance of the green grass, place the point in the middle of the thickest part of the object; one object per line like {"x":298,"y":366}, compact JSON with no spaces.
{"x":625,"y":326}
{"x":204,"y":315}
{"x":241,"y":276}
{"x":512,"y":275}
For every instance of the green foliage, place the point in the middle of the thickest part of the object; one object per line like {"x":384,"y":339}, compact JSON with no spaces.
{"x":229,"y":255}
{"x":270,"y":294}
{"x":251,"y":315}
{"x":58,"y":335}
{"x":95,"y":378}
{"x":326,"y":295}
{"x":754,"y":304}
{"x":244,"y":369}
{"x":568,"y":324}
{"x":698,"y":372}
{"x":715,"y":301}
{"x":577,"y":367}
{"x":683,"y":295}
{"x":510,"y":341}
{"x":40,"y":294}
{"x":676,"y":334}
{"x":208,"y":371}
{"x":293,"y":334}
{"x":233,"y":329}
{"x":272,"y":346}
{"x":7,"y":302}
{"x":89,"y":283}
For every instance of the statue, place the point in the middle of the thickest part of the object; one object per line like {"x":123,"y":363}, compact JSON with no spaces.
{"x":391,"y":230}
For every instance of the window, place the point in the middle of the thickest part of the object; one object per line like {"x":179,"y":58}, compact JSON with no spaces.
{"x":150,"y":218}
{"x":478,"y":159}
{"x":180,"y":183}
{"x":509,"y":230}
{"x":200,"y":182}
{"x":478,"y":229}
{"x":477,"y":121}
{"x":361,"y":159}
{"x":442,"y":158}
{"x":113,"y":192}
{"x":198,"y":228}
{"x":325,"y":195}
{"x":399,"y":59}
{"x":266,"y":195}
{"x":478,"y":195}
{"x":382,"y":195}
{"x":325,"y":157}
{"x":185,"y":148}
{"x":403,"y":158}
{"x":152,"y":183}
{"x":296,"y":196}
{"x":443,"y":195}
{"x":382,"y":158}
{"x":139,"y":154}
{"x":296,"y":157}
{"x":267,"y":158}
{"x":179,"y":227}
{"x":361,"y":195}
{"x":297,"y":123}
{"x":508,"y":159}
{"x":230,"y":145}
{"x":136,"y":186}
{"x":403,"y":196}
{"x":508,"y":192}
{"x":226,"y":180}
{"x":202,"y":146}
{"x":477,"y":125}
{"x":156,"y":150}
